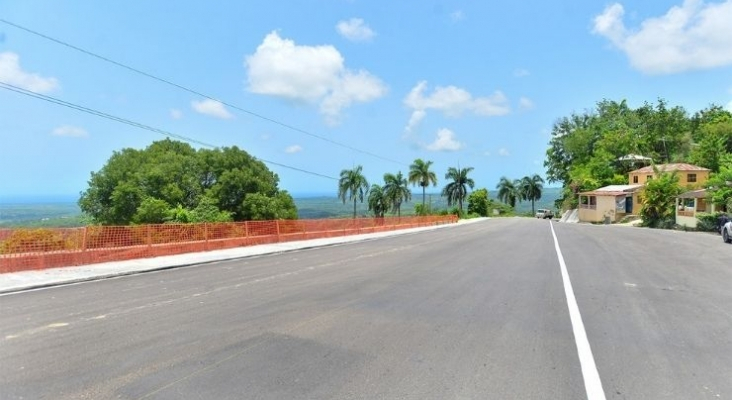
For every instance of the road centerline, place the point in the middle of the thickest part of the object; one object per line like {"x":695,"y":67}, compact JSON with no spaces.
{"x":590,"y":375}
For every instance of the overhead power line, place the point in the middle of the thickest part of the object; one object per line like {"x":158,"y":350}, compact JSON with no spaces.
{"x":136,"y":124}
{"x":196,"y":92}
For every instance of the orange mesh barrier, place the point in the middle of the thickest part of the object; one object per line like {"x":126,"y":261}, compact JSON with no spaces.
{"x":32,"y":249}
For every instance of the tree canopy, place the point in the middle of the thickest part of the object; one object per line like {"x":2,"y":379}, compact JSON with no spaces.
{"x":172,"y":181}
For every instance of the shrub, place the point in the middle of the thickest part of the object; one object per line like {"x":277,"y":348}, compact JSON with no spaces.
{"x":34,"y":240}
{"x":709,"y":222}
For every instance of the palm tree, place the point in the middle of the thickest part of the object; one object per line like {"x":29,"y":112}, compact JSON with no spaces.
{"x":531,"y":188}
{"x":456,"y":191}
{"x":508,"y":191}
{"x":420,"y":174}
{"x":377,"y":201}
{"x":396,"y":191}
{"x":352,"y":185}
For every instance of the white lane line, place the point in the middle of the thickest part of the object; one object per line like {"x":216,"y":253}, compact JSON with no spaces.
{"x":593,"y":385}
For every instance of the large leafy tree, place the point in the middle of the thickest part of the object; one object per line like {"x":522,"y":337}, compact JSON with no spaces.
{"x":457,"y":190}
{"x":145,"y":186}
{"x":508,"y":191}
{"x":420,"y":174}
{"x":396,"y":191}
{"x":531,"y":188}
{"x":352,"y":186}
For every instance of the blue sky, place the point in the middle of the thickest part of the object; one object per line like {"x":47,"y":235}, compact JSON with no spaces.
{"x":457,"y":82}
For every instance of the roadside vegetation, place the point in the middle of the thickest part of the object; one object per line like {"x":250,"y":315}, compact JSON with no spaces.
{"x":590,"y":150}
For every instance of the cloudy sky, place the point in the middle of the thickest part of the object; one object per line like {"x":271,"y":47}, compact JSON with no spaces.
{"x":319,"y":86}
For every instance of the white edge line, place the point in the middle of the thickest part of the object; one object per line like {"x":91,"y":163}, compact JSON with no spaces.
{"x":593,"y":385}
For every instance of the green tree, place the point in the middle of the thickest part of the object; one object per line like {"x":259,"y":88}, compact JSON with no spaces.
{"x":175,"y":173}
{"x":208,"y":211}
{"x":259,"y":206}
{"x":659,"y":200}
{"x":457,"y":190}
{"x":478,"y":202}
{"x":714,"y":141}
{"x":531,"y":188}
{"x":508,"y":191}
{"x":420,"y":174}
{"x":721,"y":183}
{"x":396,"y":191}
{"x":377,"y":201}
{"x":151,"y":211}
{"x":352,"y":186}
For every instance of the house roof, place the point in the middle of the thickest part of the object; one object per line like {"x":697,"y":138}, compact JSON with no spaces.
{"x":694,"y":194}
{"x":613,"y":190}
{"x":669,"y":168}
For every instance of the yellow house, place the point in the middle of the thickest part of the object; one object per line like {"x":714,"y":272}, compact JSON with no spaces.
{"x":690,"y":176}
{"x":616,"y":201}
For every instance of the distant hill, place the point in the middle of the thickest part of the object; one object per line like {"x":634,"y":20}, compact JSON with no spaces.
{"x":45,"y":212}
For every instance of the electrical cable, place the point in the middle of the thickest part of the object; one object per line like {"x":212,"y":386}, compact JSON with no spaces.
{"x":196,"y":92}
{"x":139,"y":125}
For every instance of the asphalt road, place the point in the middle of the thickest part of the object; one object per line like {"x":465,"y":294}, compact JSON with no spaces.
{"x":470,"y":312}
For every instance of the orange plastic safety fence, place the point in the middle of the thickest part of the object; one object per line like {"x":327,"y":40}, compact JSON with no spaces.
{"x":32,"y":249}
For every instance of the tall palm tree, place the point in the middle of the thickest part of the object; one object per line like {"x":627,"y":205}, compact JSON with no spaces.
{"x":352,"y":185}
{"x":377,"y":201}
{"x":420,"y":174}
{"x":508,"y":191}
{"x":396,"y":191}
{"x":457,"y":190}
{"x":531,"y":188}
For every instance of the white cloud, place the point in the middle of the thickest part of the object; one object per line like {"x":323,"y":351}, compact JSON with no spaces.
{"x":212,"y":108}
{"x":445,"y":141}
{"x":453,"y":102}
{"x":414,"y":120}
{"x":521,"y":72}
{"x":355,"y":29}
{"x":503,"y":152}
{"x":457,"y":16}
{"x":526,"y":103}
{"x":295,"y":148}
{"x":695,"y":35}
{"x":69,"y":131}
{"x":309,"y":74}
{"x":176,"y":114}
{"x":12,"y":73}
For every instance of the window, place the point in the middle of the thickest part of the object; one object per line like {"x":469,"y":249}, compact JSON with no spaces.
{"x":691,"y":178}
{"x":635,"y":178}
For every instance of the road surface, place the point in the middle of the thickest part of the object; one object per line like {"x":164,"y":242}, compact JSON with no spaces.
{"x":476,"y":311}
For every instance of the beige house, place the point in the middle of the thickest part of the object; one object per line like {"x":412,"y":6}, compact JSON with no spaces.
{"x":616,"y":201}
{"x":689,"y":204}
{"x":610,"y":202}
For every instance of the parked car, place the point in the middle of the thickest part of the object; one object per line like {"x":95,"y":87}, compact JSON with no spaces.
{"x":544,"y":213}
{"x":727,"y":232}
